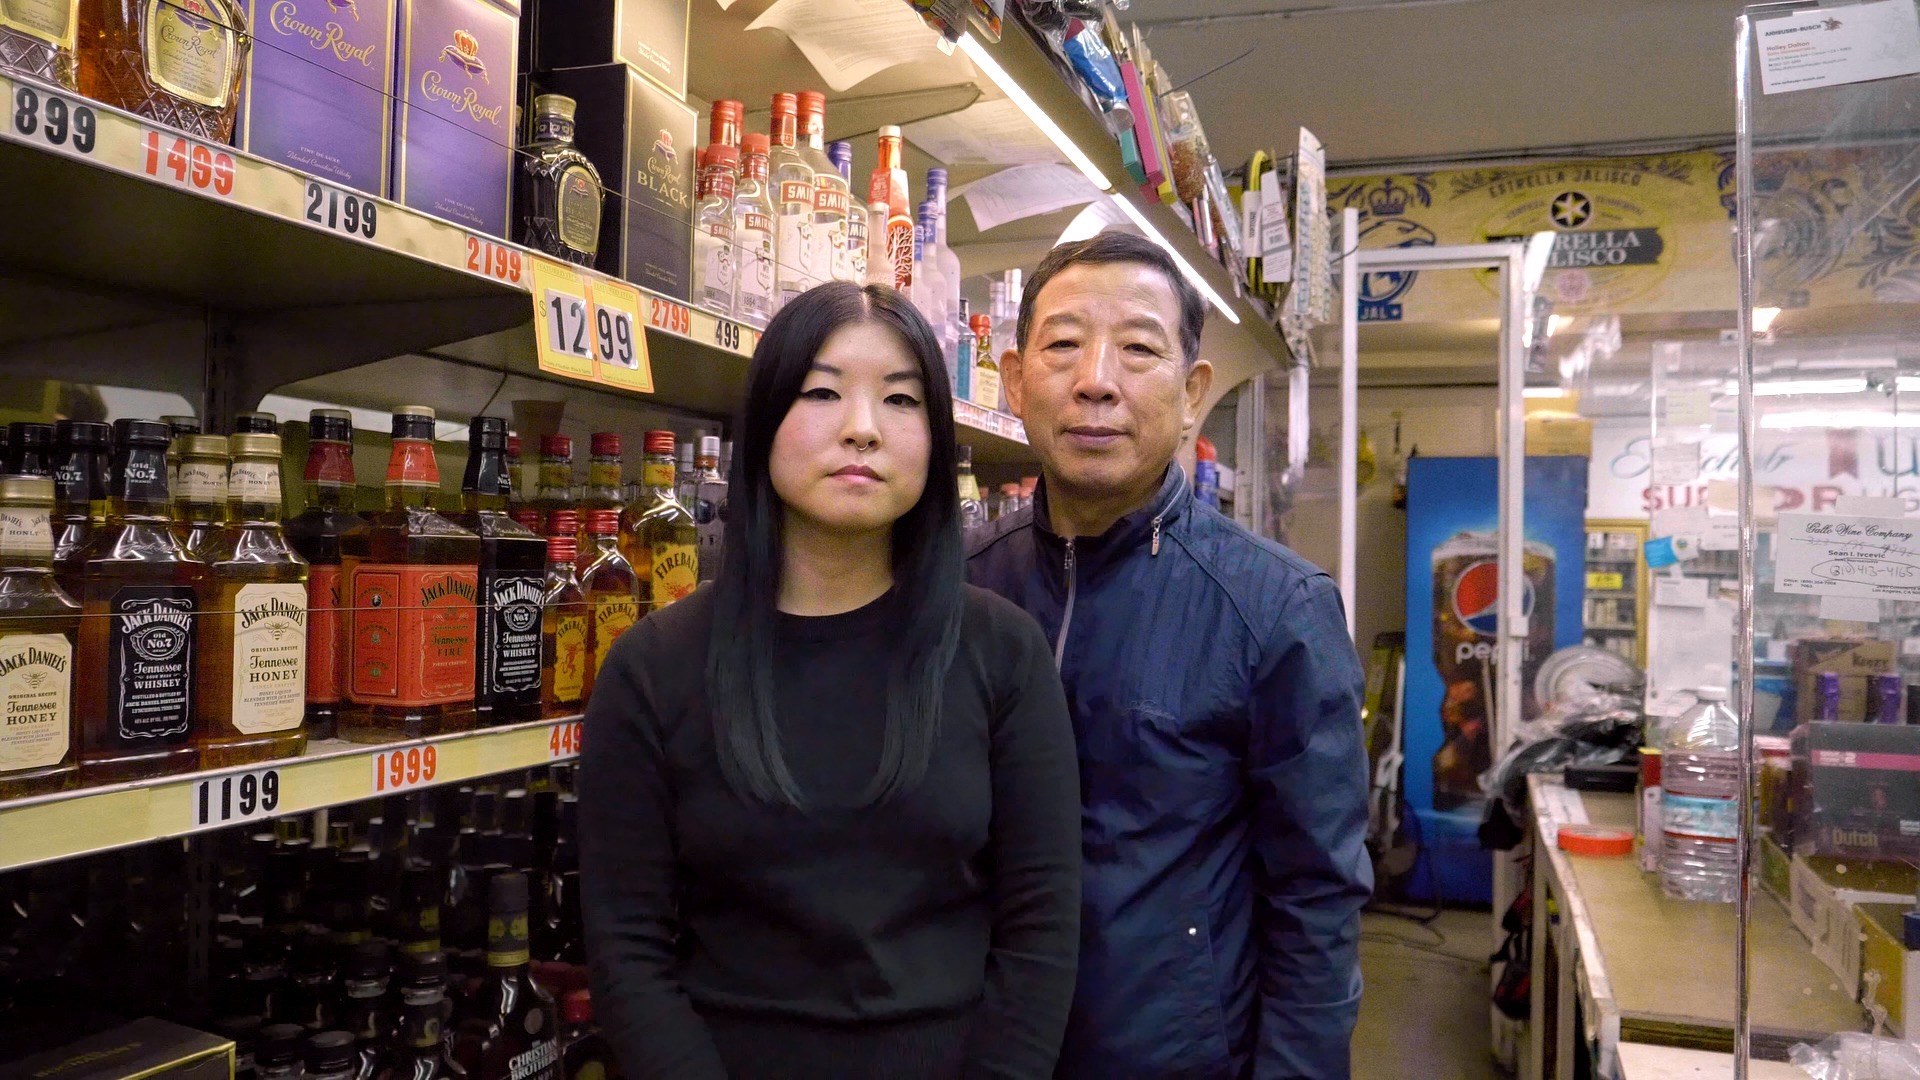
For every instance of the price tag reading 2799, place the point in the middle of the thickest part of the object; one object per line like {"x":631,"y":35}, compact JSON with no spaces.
{"x":405,"y":767}
{"x":187,"y":163}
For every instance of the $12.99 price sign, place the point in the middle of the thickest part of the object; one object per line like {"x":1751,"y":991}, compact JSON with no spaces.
{"x":405,"y":767}
{"x":588,"y":327}
{"x":619,"y":340}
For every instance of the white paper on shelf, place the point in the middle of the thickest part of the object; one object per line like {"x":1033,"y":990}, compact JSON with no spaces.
{"x":1687,"y":407}
{"x":1025,"y":191}
{"x":1886,"y":506}
{"x":1676,"y":463}
{"x":1689,"y":647}
{"x":850,"y":41}
{"x":990,"y":132}
{"x":1690,"y":521}
{"x":1832,"y":46}
{"x":1671,"y":591}
{"x":1558,"y":805}
{"x":1723,"y":533}
{"x":1850,"y":608}
{"x":1847,"y":555}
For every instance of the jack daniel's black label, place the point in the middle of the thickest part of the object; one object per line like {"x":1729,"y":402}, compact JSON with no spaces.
{"x":150,"y":664}
{"x":510,"y":636}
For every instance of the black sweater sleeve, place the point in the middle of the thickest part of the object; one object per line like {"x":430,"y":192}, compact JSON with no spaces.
{"x":627,"y":877}
{"x":1035,"y":850}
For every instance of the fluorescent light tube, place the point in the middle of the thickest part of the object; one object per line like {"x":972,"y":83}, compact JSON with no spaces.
{"x":984,"y":60}
{"x":1542,"y":392}
{"x":1206,"y":290}
{"x":1763,"y":318}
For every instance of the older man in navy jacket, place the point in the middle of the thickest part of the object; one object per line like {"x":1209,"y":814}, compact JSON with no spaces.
{"x":1214,"y":690}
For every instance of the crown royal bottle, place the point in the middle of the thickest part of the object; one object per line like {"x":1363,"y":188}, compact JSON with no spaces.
{"x":412,"y":582}
{"x":176,"y":61}
{"x":37,"y":40}
{"x":38,"y":625}
{"x":139,"y":629}
{"x":557,"y":193}
{"x":253,"y":664}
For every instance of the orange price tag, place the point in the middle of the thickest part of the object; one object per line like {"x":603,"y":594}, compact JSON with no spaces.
{"x":562,"y":319}
{"x":671,"y":317}
{"x":405,"y":767}
{"x":563,"y":740}
{"x":495,"y":260}
{"x":619,"y":341}
{"x":187,"y":163}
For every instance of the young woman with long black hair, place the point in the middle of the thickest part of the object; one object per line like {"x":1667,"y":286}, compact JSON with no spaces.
{"x":829,"y":804}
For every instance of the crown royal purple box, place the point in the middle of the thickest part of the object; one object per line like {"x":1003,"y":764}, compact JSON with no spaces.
{"x":316,"y":91}
{"x":453,"y":128}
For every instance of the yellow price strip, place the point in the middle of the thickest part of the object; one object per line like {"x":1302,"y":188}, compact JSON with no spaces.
{"x":619,"y":341}
{"x":1600,"y":581}
{"x":563,"y":316}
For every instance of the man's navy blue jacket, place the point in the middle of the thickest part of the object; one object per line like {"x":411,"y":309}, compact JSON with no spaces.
{"x":1216,"y":697}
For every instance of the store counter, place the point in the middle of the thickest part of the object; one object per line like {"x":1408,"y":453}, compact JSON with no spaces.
{"x":1637,"y":967}
{"x":1641,"y":1062}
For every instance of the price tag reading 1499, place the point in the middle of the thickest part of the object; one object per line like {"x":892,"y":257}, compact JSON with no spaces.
{"x":405,"y":767}
{"x":186,"y":163}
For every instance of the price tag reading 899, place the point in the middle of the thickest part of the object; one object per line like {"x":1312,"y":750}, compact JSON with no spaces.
{"x":405,"y":767}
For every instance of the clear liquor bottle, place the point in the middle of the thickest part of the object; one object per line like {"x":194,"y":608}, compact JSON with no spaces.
{"x":614,"y":590}
{"x":792,"y":184}
{"x":685,"y":474}
{"x":710,"y":507}
{"x":176,"y":61}
{"x":715,"y":255}
{"x":555,"y":489}
{"x":412,"y":582}
{"x":200,"y":494}
{"x":973,"y":512}
{"x":30,"y":450}
{"x":39,"y":626}
{"x":510,"y":1028}
{"x":944,"y":259}
{"x":753,"y":233}
{"x":661,"y":539}
{"x":79,"y":495}
{"x":38,"y":40}
{"x":139,"y":631}
{"x":841,"y":154}
{"x":830,"y":194}
{"x":565,"y":619}
{"x":315,"y":533}
{"x":513,"y":565}
{"x":557,"y":193}
{"x":252,"y":675}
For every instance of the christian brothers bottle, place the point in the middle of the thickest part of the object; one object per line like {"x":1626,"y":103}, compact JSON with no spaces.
{"x":139,"y":631}
{"x":38,"y":625}
{"x":412,"y":581}
{"x":510,"y":1029}
{"x":513,"y":570}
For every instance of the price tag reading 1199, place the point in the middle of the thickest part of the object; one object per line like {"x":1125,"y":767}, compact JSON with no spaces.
{"x":405,"y":767}
{"x":187,"y":163}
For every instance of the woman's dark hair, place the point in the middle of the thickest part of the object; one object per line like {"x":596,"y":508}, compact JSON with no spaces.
{"x":928,"y":574}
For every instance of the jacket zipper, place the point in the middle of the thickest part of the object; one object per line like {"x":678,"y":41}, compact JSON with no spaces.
{"x":1066,"y":619}
{"x":1156,"y":535}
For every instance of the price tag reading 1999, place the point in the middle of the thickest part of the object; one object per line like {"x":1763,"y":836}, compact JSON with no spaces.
{"x":405,"y":767}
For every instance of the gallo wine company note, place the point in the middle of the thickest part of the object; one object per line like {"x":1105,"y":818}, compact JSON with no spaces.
{"x":1834,"y":555}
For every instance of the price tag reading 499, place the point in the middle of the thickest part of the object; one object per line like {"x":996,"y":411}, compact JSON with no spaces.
{"x":405,"y":767}
{"x":563,"y":320}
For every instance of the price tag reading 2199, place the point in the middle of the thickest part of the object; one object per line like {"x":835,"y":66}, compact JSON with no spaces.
{"x":405,"y":767}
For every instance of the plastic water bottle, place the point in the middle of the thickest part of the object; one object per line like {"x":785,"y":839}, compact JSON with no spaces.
{"x":1700,"y":802}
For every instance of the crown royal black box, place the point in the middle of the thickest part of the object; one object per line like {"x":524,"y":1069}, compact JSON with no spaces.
{"x":649,"y":35}
{"x":642,"y":140}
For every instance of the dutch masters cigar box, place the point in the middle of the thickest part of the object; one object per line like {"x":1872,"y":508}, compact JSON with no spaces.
{"x":1862,"y":794}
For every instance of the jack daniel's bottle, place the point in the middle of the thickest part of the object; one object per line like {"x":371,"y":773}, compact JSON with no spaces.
{"x":38,"y":624}
{"x":79,"y":496}
{"x":412,"y":581}
{"x":513,"y":570}
{"x":139,"y":632}
{"x":557,"y":194}
{"x":315,"y":534}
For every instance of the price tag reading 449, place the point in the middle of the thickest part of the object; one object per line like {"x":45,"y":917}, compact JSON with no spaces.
{"x":405,"y":767}
{"x":563,"y":740}
{"x":236,"y":797}
{"x":619,"y":342}
{"x":186,"y":163}
{"x":563,"y":319}
{"x":59,"y":123}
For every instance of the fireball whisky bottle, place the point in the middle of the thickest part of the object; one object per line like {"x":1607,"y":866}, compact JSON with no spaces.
{"x":38,"y":626}
{"x":603,"y":490}
{"x":37,"y":39}
{"x":140,"y":624}
{"x":179,"y":62}
{"x":513,"y":569}
{"x":412,"y":583}
{"x":662,"y":539}
{"x":564,"y":620}
{"x":252,"y":681}
{"x":557,"y":193}
{"x":613,"y":590}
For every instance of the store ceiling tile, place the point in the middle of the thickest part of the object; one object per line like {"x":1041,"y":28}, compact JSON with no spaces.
{"x":1380,"y":81}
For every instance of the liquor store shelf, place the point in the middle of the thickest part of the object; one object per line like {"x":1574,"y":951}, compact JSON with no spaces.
{"x":54,"y":827}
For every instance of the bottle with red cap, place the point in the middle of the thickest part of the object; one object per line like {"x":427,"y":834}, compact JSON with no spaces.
{"x":603,"y":481}
{"x":753,"y":235}
{"x":830,"y":195}
{"x":612,"y":589}
{"x":726,"y":123}
{"x":555,"y":489}
{"x":890,"y":216}
{"x":714,"y":268}
{"x":661,"y":538}
{"x":315,"y":533}
{"x":792,"y":178}
{"x":986,"y":368}
{"x":565,"y":617}
{"x":583,"y":1052}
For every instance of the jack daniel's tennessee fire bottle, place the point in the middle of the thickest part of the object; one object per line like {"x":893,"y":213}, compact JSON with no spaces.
{"x":412,"y":582}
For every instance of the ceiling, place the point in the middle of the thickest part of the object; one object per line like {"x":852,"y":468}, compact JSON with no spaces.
{"x":1398,"y":81}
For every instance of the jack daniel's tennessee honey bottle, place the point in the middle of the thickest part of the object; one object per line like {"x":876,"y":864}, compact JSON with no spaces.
{"x":412,"y":583}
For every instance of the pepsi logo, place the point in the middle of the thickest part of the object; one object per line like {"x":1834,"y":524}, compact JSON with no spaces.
{"x":1476,"y":597}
